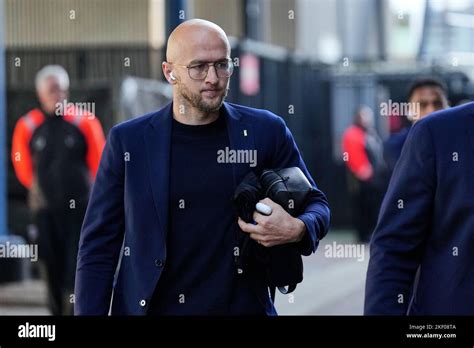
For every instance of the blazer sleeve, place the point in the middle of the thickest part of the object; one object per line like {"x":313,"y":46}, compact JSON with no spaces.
{"x":398,"y":241}
{"x":316,"y":216}
{"x":102,"y":234}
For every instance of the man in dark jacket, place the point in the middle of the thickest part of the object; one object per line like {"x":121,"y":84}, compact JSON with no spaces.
{"x":422,"y":249}
{"x":162,"y":201}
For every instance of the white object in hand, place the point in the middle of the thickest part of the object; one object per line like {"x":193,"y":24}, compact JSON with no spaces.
{"x":263,"y":208}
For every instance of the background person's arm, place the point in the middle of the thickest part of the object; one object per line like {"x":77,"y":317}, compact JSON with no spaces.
{"x":102,"y":234}
{"x":406,"y":214}
{"x":92,"y":130}
{"x":21,"y":157}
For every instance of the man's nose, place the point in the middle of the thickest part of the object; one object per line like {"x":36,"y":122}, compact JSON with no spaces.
{"x":212,"y":75}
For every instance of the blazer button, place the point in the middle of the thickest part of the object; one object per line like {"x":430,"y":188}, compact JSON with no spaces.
{"x":142,"y":303}
{"x":159,"y":263}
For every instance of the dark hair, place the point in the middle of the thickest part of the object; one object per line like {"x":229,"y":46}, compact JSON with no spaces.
{"x":427,"y":82}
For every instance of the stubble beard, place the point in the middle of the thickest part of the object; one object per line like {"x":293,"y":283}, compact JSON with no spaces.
{"x":197,"y":101}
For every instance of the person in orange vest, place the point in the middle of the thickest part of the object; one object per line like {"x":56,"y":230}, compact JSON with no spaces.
{"x":363,"y":154}
{"x":56,"y":150}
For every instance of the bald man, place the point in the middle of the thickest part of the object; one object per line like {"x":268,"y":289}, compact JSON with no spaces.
{"x":161,"y":218}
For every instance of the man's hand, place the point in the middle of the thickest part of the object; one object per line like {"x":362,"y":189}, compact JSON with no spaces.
{"x":277,"y":228}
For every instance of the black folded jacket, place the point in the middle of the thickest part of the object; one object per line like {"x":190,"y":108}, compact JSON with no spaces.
{"x":281,"y":265}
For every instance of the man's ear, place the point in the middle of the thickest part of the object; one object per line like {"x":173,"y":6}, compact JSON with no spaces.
{"x":168,"y":73}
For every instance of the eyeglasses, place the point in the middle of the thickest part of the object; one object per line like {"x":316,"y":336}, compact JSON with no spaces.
{"x":224,"y":68}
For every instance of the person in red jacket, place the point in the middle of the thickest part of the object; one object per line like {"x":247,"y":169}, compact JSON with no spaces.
{"x":56,"y":150}
{"x":363,"y":154}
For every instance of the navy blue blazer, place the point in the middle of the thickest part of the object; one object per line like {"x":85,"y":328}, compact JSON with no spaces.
{"x":424,"y":240}
{"x":393,"y":148}
{"x":124,"y":230}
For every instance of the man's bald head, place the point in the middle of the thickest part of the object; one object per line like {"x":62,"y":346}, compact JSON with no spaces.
{"x":198,"y":66}
{"x":192,"y":37}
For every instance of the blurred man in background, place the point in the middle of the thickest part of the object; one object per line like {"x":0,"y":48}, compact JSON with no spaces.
{"x":55,"y":152}
{"x":428,"y":95}
{"x":363,"y":155}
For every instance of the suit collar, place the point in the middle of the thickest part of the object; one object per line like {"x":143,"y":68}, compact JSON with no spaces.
{"x":162,"y":117}
{"x":232,"y":112}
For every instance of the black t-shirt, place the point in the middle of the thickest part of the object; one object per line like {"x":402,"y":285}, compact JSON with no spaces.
{"x":200,"y":277}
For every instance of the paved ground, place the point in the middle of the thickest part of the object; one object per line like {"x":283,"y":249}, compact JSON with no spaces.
{"x":331,"y":286}
{"x":26,"y":298}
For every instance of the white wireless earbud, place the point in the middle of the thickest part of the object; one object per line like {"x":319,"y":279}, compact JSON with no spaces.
{"x":172,"y":77}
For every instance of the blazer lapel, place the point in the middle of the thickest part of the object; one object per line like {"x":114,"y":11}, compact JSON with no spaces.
{"x":157,"y":147}
{"x":241,"y":137}
{"x":470,"y":130}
